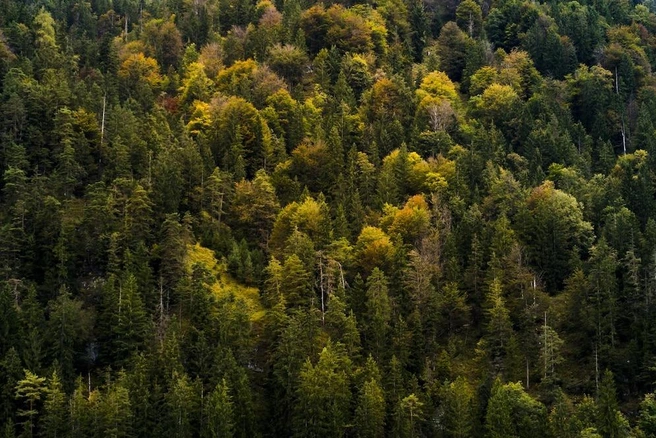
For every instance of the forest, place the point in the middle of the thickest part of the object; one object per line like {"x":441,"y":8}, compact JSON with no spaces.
{"x":364,"y":218}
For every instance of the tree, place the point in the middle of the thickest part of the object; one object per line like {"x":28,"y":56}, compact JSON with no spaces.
{"x":295,"y":283}
{"x":289,"y":62}
{"x":498,"y":329}
{"x":512,"y":412}
{"x":219,"y":420}
{"x":550,"y":351}
{"x":647,"y":420}
{"x":452,"y":44}
{"x":255,"y":205}
{"x":324,"y":395}
{"x":165,"y":41}
{"x":69,"y":327}
{"x":498,"y":105}
{"x":562,"y":418}
{"x":47,"y":52}
{"x":33,"y":327}
{"x":591,"y":91}
{"x":469,"y":18}
{"x":374,"y":248}
{"x":553,"y":55}
{"x":180,"y":404}
{"x":140,"y":77}
{"x":458,"y":411}
{"x":611,"y":423}
{"x":81,"y":405}
{"x":30,"y":390}
{"x":554,"y":230}
{"x":379,"y":312}
{"x":11,"y":372}
{"x":127,"y":322}
{"x":603,"y":282}
{"x":114,"y":410}
{"x":54,"y":422}
{"x":195,"y":85}
{"x":9,"y":322}
{"x":412,"y":414}
{"x":370,"y":411}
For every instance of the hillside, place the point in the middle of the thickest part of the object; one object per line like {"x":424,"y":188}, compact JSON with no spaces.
{"x":397,"y":218}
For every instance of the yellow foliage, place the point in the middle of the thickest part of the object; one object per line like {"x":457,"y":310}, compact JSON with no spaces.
{"x":436,"y":183}
{"x":307,"y":216}
{"x":497,"y":101}
{"x":195,"y":85}
{"x":139,"y":67}
{"x":223,"y":285}
{"x":445,"y":167}
{"x":411,"y":221}
{"x":373,"y":248}
{"x":419,"y":168}
{"x":437,"y":84}
{"x":197,"y":254}
{"x":201,"y":118}
{"x":125,"y":50}
{"x":483,"y":78}
{"x":417,"y":201}
{"x":240,"y":70}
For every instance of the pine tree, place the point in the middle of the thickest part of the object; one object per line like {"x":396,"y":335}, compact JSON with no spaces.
{"x":379,"y":312}
{"x":180,"y":404}
{"x":562,"y":419}
{"x":412,"y":415}
{"x":647,"y":420}
{"x":458,"y":414}
{"x":54,"y":422}
{"x":129,"y":325}
{"x":79,"y":411}
{"x":219,"y":416}
{"x":498,"y":327}
{"x":9,"y":322}
{"x":369,"y":418}
{"x":30,"y":390}
{"x":512,"y":412}
{"x":11,"y":371}
{"x":69,"y":327}
{"x":295,"y":283}
{"x":33,"y":324}
{"x":324,"y":396}
{"x":550,"y":355}
{"x":610,"y":421}
{"x":115,"y":410}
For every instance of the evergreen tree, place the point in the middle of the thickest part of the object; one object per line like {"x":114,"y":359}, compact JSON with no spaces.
{"x":369,"y":417}
{"x":30,"y":390}
{"x":610,"y":421}
{"x":54,"y":422}
{"x":499,"y":329}
{"x":458,"y":412}
{"x":324,"y":396}
{"x":379,"y":312}
{"x":219,"y":420}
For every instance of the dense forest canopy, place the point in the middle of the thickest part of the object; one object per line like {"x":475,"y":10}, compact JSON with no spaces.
{"x":403,"y":218}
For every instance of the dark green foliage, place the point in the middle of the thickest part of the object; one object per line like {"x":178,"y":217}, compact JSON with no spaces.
{"x":352,"y":219}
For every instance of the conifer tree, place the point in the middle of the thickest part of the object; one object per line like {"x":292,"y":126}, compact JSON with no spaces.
{"x":324,"y":396}
{"x":219,"y":421}
{"x":610,"y":421}
{"x":369,"y":417}
{"x":30,"y":391}
{"x":458,"y":411}
{"x":379,"y":312}
{"x":498,"y":328}
{"x":54,"y":422}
